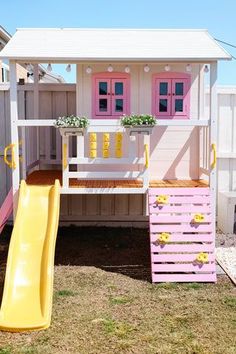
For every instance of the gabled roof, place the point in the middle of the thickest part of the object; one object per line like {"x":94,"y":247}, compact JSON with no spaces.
{"x":4,"y":37}
{"x":113,"y":44}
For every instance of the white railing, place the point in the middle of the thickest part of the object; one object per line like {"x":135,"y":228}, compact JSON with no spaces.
{"x":128,"y":165}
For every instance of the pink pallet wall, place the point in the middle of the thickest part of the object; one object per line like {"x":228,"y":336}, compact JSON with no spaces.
{"x":175,"y":261}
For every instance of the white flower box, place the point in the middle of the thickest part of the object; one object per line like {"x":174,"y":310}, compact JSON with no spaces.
{"x":72,"y":131}
{"x":140,"y":129}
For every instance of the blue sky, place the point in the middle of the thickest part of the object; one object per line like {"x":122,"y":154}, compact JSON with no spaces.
{"x":215,"y":15}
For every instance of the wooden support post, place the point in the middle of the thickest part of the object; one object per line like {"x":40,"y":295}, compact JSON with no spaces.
{"x":65,"y":165}
{"x":14,"y":134}
{"x":36,"y":105}
{"x":213,"y":134}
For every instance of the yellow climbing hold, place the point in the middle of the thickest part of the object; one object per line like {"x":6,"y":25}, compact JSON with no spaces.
{"x":162,"y":199}
{"x":164,"y":237}
{"x":199,"y":218}
{"x":202,"y":257}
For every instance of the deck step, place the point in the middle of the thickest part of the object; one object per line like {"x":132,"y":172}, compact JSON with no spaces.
{"x":182,"y":236}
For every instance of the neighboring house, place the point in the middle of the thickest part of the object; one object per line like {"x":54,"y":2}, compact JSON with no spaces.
{"x":22,"y":73}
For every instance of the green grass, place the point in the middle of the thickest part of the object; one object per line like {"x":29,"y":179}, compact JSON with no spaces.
{"x":230,"y":301}
{"x":6,"y":350}
{"x":65,"y":293}
{"x":117,"y":328}
{"x":120,"y":300}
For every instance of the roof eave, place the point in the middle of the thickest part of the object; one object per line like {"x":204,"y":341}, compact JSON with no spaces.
{"x":112,"y":59}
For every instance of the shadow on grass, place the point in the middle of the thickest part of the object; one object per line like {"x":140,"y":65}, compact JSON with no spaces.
{"x":119,"y":250}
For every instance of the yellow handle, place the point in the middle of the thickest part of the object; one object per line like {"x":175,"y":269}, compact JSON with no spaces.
{"x":65,"y":156}
{"x":213,"y":146}
{"x":12,"y":163}
{"x":146,"y":155}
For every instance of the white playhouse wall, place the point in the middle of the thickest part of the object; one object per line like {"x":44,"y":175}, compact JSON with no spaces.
{"x":174,"y":151}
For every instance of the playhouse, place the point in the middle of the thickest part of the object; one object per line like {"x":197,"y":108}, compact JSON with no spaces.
{"x":172,"y":165}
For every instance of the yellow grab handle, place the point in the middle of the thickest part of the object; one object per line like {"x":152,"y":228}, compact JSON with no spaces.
{"x":65,"y":156}
{"x":12,"y":163}
{"x":146,"y":155}
{"x":213,"y":146}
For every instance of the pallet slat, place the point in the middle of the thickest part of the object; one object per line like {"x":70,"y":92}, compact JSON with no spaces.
{"x":187,"y":268}
{"x":178,"y":257}
{"x":185,"y":237}
{"x":166,"y":219}
{"x":184,"y":278}
{"x":154,"y":208}
{"x":181,"y":248}
{"x":179,"y":191}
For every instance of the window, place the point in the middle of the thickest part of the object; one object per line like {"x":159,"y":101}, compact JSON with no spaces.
{"x":111,"y":96}
{"x":171,"y":95}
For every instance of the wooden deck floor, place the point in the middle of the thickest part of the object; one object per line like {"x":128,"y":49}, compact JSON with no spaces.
{"x":47,"y":177}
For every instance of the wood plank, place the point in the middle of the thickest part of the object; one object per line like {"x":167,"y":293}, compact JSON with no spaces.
{"x":188,"y":248}
{"x":186,"y":268}
{"x":184,"y":199}
{"x":187,"y":278}
{"x":182,"y":228}
{"x":179,"y":191}
{"x":170,"y":219}
{"x":159,"y":209}
{"x":185,"y":237}
{"x":179,"y":257}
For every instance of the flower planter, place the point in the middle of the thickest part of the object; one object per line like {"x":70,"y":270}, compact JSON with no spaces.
{"x":72,"y":131}
{"x":139,"y":129}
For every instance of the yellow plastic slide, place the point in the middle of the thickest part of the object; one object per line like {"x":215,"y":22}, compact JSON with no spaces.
{"x":27,"y":296}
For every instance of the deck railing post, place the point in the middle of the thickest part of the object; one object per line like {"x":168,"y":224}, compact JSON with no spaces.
{"x":213,"y":134}
{"x":14,"y":133}
{"x":65,"y":164}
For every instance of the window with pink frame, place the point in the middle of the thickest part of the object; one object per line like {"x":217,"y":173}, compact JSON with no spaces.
{"x":111,"y":95}
{"x":171,"y":95}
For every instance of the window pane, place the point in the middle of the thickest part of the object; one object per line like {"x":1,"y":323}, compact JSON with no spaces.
{"x":178,"y":105}
{"x":162,"y":105}
{"x":163,"y":88}
{"x":119,"y":105}
{"x":179,"y":88}
{"x":102,"y":88}
{"x":103,"y":105}
{"x":119,"y":88}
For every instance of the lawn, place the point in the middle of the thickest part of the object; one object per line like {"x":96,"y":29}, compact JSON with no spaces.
{"x":101,"y":306}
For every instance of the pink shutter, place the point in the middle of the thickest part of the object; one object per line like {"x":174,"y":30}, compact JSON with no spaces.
{"x":103,"y":97}
{"x":163,"y":98}
{"x":119,"y":97}
{"x":180,"y":98}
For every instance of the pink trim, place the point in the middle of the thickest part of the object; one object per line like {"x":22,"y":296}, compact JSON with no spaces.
{"x":111,"y":78}
{"x":171,"y":78}
{"x":204,"y":278}
{"x":188,"y":248}
{"x":179,"y":191}
{"x":181,"y":257}
{"x":187,"y":268}
{"x":6,"y":209}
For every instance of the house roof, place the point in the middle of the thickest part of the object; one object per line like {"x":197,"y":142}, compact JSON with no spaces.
{"x":4,"y":37}
{"x":67,"y":44}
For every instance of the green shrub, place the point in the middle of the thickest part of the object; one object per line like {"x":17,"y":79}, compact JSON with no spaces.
{"x":134,"y":120}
